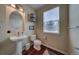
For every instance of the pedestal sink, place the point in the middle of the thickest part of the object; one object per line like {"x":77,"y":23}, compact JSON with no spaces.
{"x":18,"y":40}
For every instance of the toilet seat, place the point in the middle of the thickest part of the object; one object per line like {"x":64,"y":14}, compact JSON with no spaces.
{"x":37,"y":47}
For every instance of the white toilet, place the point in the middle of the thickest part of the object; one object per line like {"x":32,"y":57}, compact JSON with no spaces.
{"x":36,"y":42}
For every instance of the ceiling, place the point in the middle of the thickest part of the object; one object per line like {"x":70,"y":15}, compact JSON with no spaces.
{"x":37,"y":6}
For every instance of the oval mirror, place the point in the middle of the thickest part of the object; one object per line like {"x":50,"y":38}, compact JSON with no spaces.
{"x":16,"y":22}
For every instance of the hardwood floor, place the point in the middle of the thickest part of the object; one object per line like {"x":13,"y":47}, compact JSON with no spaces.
{"x":33,"y":51}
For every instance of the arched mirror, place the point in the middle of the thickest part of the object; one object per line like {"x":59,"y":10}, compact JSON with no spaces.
{"x":16,"y":21}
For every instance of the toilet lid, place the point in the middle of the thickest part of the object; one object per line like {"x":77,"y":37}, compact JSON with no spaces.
{"x":37,"y":47}
{"x":37,"y":42}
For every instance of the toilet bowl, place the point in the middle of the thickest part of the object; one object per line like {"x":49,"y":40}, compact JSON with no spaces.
{"x":36,"y":42}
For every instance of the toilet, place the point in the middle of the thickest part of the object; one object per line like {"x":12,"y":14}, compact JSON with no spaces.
{"x":36,"y":42}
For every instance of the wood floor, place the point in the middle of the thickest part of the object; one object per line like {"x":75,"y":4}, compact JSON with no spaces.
{"x":33,"y":51}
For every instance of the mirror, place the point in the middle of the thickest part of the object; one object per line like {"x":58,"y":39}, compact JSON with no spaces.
{"x":15,"y":21}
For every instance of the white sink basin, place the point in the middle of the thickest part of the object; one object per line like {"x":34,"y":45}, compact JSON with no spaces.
{"x":17,"y":38}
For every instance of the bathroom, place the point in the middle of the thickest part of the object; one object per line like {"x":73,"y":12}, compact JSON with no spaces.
{"x":21,"y":24}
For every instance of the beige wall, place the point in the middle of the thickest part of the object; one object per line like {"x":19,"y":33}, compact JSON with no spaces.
{"x":56,"y":41}
{"x":2,"y":23}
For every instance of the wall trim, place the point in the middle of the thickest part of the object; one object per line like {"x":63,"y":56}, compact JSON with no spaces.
{"x":65,"y":53}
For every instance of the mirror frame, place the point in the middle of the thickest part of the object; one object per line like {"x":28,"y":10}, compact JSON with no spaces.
{"x":21,"y":18}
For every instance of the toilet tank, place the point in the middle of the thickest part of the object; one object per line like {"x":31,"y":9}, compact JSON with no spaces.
{"x":33,"y":37}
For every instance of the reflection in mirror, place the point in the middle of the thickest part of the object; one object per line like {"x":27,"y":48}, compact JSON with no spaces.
{"x":15,"y":21}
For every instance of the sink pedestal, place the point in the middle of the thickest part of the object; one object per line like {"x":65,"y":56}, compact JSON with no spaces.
{"x":18,"y":40}
{"x":19,"y":48}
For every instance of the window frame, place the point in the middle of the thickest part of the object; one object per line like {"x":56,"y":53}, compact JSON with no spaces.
{"x":53,"y":21}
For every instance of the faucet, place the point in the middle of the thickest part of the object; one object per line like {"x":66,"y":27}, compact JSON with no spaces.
{"x":22,"y":33}
{"x":45,"y":37}
{"x":18,"y":33}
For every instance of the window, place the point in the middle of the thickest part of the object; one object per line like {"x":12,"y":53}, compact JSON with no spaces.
{"x":51,"y":20}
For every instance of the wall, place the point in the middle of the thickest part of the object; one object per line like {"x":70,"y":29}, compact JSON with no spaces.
{"x":2,"y":23}
{"x":54,"y":41}
{"x":28,"y":10}
{"x":74,"y":33}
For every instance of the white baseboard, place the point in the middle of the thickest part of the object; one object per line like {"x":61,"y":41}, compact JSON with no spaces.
{"x":55,"y":49}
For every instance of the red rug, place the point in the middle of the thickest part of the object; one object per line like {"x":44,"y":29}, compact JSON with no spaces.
{"x":33,"y":51}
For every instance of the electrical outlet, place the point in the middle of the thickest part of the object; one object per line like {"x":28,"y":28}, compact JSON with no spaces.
{"x":45,"y":37}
